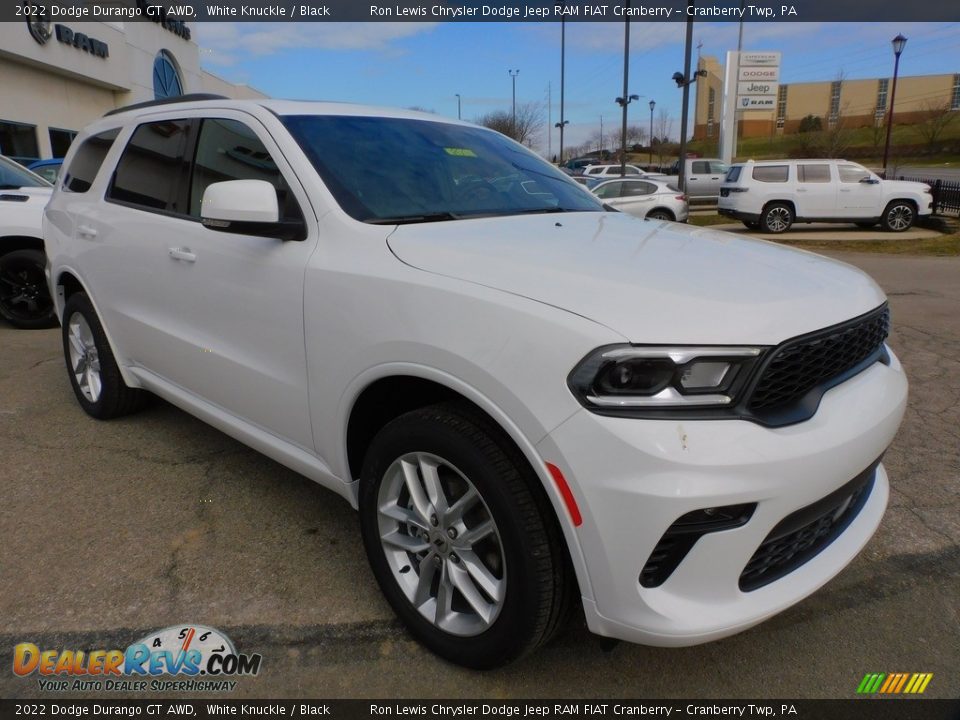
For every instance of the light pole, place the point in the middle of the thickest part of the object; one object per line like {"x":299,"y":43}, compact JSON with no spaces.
{"x":513,"y":122}
{"x":625,"y":99}
{"x":459,"y":117}
{"x":563,"y":48}
{"x":653,"y":104}
{"x":899,"y":42}
{"x":623,"y":102}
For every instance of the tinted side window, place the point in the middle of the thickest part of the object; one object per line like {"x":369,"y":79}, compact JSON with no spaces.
{"x":632,"y":171}
{"x":733,"y":174}
{"x":610,"y":190}
{"x":718,"y":167}
{"x":229,"y":150}
{"x":700,"y":168}
{"x":771,"y":173}
{"x":149,"y":170}
{"x":813,"y":173}
{"x":87,"y":161}
{"x":634,"y":189}
{"x":852,"y":173}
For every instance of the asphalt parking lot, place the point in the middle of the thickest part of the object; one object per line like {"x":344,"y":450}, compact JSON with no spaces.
{"x":111,"y":530}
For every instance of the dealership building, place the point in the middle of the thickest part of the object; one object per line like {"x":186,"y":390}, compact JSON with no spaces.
{"x":57,"y":76}
{"x":858,"y":103}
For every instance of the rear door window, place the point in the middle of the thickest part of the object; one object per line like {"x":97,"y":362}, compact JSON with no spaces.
{"x":701,"y":167}
{"x":813,"y":173}
{"x":733,"y":174}
{"x":150,"y":172}
{"x":87,"y":161}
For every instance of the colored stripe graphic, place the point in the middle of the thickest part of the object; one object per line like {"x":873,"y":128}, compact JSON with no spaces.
{"x":894,"y":683}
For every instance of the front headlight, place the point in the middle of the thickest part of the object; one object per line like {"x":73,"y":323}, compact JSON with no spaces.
{"x":627,"y":377}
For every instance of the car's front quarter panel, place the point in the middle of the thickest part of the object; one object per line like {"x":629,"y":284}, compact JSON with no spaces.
{"x":366,"y":309}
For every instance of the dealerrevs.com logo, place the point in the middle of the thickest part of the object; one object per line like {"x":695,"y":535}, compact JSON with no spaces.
{"x":200,"y":658}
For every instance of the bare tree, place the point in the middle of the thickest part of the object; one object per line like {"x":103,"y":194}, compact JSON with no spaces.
{"x":420,"y":108}
{"x":636,"y":135}
{"x":939,"y":116}
{"x":835,"y":140}
{"x":529,"y":122}
{"x":663,"y":128}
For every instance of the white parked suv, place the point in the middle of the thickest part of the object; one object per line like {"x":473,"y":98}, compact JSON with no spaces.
{"x":772,"y":195}
{"x":535,"y":405}
{"x":24,"y":298}
{"x":612,"y":171}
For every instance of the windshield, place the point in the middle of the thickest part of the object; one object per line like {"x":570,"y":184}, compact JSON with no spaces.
{"x":14,"y":176}
{"x":393,"y":170}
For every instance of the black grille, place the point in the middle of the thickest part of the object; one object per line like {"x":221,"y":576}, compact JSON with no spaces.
{"x":802,"y":535}
{"x":817,"y":361}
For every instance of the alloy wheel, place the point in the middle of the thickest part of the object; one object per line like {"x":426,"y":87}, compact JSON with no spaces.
{"x":84,"y":358}
{"x":441,"y":543}
{"x":900,"y":217}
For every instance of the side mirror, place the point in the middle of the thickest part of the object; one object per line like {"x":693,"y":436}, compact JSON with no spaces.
{"x":247,"y":207}
{"x":870,"y":181}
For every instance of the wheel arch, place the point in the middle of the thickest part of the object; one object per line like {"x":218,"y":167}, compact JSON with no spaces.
{"x":665,"y":210}
{"x":778,"y":201}
{"x":383,"y":394}
{"x":11,"y":243}
{"x":66,"y":283}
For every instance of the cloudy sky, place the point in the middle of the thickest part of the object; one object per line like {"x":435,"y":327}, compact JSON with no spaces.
{"x":427,"y":64}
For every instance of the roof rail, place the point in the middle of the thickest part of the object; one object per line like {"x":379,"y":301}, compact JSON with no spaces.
{"x":166,"y":101}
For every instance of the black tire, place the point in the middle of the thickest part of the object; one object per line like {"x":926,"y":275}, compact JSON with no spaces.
{"x":777,"y":218}
{"x":751,"y":224}
{"x":24,"y":297}
{"x":898,"y":216}
{"x":661,"y":214}
{"x":534,"y":568}
{"x":115,"y":398}
{"x":865,"y":225}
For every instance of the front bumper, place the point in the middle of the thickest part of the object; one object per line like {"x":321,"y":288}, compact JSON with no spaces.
{"x":634,"y":478}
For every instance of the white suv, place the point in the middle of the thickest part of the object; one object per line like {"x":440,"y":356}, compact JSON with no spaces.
{"x":772,"y":195}
{"x":531,"y":401}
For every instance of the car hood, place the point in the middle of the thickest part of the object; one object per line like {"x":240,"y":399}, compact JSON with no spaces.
{"x":905,"y":185}
{"x":36,"y":194}
{"x":652,"y":282}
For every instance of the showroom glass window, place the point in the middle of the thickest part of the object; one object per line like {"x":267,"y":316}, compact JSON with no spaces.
{"x":229,"y":150}
{"x":18,"y":140}
{"x":166,"y":77}
{"x":150,"y":170}
{"x":60,"y":141}
{"x":87,"y":161}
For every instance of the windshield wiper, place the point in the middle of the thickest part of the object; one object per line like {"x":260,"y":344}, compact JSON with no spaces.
{"x":409,"y":219}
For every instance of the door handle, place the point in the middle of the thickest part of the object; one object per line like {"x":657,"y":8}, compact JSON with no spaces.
{"x":86,"y":231}
{"x":799,"y":190}
{"x":184,"y":254}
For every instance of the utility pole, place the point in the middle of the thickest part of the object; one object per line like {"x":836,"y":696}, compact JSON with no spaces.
{"x":549,"y":122}
{"x":626,"y":98}
{"x":653,"y":104}
{"x":686,"y":98}
{"x":459,"y":117}
{"x":563,"y":47}
{"x":513,"y":77}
